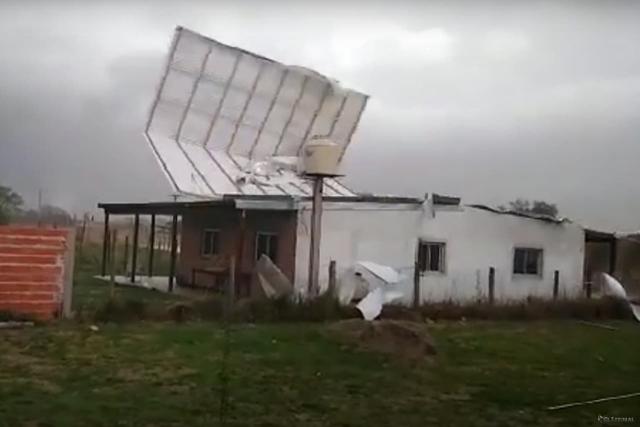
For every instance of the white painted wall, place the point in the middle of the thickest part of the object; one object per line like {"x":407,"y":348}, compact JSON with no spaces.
{"x":475,"y":239}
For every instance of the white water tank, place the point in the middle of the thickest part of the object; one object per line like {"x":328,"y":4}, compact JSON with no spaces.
{"x":320,"y":157}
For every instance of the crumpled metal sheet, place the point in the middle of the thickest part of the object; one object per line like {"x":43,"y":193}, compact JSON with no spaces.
{"x":386,"y":274}
{"x":371,"y":306}
{"x":272,"y":281}
{"x":219,"y":108}
{"x":382,"y":281}
{"x":615,"y":289}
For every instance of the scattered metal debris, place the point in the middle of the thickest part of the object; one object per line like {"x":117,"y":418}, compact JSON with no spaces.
{"x":381,"y":279}
{"x":615,"y":289}
{"x":272,"y":281}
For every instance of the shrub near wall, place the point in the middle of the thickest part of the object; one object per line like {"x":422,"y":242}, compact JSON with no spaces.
{"x":32,"y":271}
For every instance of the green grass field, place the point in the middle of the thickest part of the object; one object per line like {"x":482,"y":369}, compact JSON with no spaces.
{"x":168,"y":374}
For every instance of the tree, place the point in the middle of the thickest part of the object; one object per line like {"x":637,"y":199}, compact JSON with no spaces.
{"x":544,"y":208}
{"x":48,"y":214}
{"x":10,"y":204}
{"x":538,"y":207}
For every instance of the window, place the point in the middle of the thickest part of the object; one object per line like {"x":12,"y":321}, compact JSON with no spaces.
{"x":267,"y":243}
{"x":210,"y":242}
{"x":431,"y":256}
{"x":527,"y":261}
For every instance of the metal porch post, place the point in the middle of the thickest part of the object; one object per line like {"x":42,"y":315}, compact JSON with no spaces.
{"x":134,"y":247}
{"x":316,"y":230}
{"x":152,"y":243}
{"x":105,"y":244}
{"x":174,"y":250}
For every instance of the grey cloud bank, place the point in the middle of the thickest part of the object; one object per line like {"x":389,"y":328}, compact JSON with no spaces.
{"x":487,"y":100}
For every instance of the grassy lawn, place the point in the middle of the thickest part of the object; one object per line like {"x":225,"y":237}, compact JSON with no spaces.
{"x":167,"y":374}
{"x":163,"y":374}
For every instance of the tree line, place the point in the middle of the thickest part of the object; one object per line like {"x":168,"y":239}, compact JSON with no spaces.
{"x":12,"y":210}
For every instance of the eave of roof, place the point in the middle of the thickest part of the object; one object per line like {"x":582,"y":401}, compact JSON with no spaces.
{"x":169,"y":207}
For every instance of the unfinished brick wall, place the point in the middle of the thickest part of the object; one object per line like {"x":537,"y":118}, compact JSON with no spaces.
{"x":35,"y":271}
{"x":227,"y":221}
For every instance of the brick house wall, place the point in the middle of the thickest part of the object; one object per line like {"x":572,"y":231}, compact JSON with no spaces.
{"x":36,"y":271}
{"x":227,"y":221}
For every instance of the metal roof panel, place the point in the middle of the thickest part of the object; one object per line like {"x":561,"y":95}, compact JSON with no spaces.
{"x":219,"y":108}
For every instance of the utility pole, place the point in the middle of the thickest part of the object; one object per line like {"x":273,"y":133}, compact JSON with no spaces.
{"x":320,"y":160}
{"x":316,"y":231}
{"x":39,"y":207}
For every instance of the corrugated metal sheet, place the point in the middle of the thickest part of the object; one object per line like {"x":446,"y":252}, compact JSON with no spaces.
{"x":219,"y":108}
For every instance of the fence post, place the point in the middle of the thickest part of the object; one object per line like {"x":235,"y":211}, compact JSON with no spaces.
{"x":588,"y":289}
{"x":332,"y":278}
{"x":125,"y":259}
{"x":416,"y":285}
{"x":331,"y":292}
{"x":105,"y":244}
{"x":492,"y":284}
{"x":231,"y":285}
{"x":556,"y":283}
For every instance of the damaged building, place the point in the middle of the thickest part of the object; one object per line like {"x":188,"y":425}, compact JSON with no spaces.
{"x":227,"y":128}
{"x":458,"y":249}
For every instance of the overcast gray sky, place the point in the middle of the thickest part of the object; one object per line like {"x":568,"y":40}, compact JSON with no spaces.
{"x":486,"y":100}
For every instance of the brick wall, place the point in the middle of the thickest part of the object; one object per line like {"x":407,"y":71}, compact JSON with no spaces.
{"x":227,"y":221}
{"x":35,"y":270}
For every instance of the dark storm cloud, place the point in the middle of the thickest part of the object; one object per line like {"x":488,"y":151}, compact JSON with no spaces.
{"x":488,"y":100}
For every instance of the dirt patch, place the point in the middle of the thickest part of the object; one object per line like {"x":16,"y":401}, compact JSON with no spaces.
{"x":16,"y":361}
{"x":403,"y":339}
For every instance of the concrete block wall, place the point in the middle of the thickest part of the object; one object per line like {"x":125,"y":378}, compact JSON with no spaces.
{"x":36,"y":271}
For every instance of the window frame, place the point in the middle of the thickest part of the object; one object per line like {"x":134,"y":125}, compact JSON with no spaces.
{"x":215,"y":247}
{"x":442,"y":246}
{"x":539,"y":265}
{"x":271,"y":235}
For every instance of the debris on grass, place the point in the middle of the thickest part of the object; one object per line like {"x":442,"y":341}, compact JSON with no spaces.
{"x":616,"y":290}
{"x":12,"y":324}
{"x":597,"y":325}
{"x":405,"y":340}
{"x":591,"y":402}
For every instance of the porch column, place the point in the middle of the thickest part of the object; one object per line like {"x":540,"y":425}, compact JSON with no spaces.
{"x":105,"y":244}
{"x":240,"y":253}
{"x":152,"y":243}
{"x":613,"y":255}
{"x":174,"y":250}
{"x":134,"y":247}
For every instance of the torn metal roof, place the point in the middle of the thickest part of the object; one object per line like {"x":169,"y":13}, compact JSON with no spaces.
{"x":546,"y":218}
{"x":219,"y":109}
{"x":439,"y":199}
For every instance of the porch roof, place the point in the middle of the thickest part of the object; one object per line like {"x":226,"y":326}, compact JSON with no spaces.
{"x":264,"y":202}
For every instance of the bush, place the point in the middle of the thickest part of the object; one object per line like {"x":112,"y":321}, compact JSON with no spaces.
{"x":529,"y":309}
{"x":325,"y":308}
{"x":118,"y":310}
{"x":11,"y":316}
